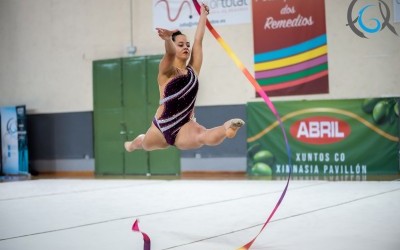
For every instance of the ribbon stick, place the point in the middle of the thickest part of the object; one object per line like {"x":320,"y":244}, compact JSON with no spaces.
{"x":146,"y":238}
{"x":261,"y":92}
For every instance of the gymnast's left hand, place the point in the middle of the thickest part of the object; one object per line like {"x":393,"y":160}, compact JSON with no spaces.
{"x":165,"y":34}
{"x":205,"y":10}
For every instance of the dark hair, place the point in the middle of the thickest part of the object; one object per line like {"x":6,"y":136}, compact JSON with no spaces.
{"x":175,"y":34}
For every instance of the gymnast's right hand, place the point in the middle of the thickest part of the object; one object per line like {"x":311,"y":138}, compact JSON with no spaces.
{"x":165,"y":34}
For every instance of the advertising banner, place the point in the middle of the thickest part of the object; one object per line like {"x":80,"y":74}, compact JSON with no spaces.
{"x":290,"y":47}
{"x":9,"y":140}
{"x":14,"y":145}
{"x":355,"y":138}
{"x":22,"y":140}
{"x":396,"y":7}
{"x":181,"y":14}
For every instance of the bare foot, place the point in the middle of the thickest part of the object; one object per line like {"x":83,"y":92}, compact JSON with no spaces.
{"x":135,"y":144}
{"x":232,"y":126}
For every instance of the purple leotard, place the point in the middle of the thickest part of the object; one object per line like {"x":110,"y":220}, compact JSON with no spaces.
{"x":179,"y":99}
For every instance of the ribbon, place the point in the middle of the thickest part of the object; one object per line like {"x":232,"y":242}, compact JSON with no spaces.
{"x":271,"y":106}
{"x":146,"y":238}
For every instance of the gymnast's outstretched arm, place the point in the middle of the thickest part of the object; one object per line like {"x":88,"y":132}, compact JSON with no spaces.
{"x":166,"y":64}
{"x":196,"y":58}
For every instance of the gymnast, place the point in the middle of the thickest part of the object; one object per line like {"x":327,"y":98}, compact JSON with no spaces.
{"x":174,"y":122}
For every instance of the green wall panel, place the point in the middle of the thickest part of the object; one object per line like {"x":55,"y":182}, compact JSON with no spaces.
{"x":153,"y":94}
{"x":134,"y":100}
{"x":108,"y":141}
{"x":126,"y":97}
{"x":108,"y":85}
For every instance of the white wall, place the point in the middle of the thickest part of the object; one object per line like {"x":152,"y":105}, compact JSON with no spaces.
{"x":361,"y":67}
{"x":47,"y":48}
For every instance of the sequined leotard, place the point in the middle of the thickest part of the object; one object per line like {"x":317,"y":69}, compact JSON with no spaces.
{"x":179,"y":99}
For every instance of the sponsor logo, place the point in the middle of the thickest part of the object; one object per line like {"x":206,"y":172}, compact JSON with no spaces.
{"x":362,"y":23}
{"x":173,"y":18}
{"x":320,"y":130}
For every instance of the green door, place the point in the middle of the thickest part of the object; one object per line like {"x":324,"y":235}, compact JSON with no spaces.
{"x":135,"y":112}
{"x":109,"y":153}
{"x":126,"y":96}
{"x":108,"y":115}
{"x":162,"y":162}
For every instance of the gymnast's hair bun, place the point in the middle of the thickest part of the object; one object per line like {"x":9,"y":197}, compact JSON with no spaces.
{"x":175,"y":34}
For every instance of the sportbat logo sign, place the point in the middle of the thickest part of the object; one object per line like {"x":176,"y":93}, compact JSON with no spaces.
{"x":181,"y":14}
{"x":320,"y":130}
{"x":369,"y":18}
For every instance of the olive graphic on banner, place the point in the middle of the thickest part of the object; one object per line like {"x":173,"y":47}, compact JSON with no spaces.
{"x":369,"y":104}
{"x":262,"y":162}
{"x":382,"y":110}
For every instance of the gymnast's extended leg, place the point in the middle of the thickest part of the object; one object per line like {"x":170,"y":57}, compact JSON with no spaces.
{"x":152,"y":140}
{"x":192,"y":135}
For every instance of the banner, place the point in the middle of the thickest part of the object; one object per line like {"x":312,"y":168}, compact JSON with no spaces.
{"x":181,"y":14}
{"x":14,"y":140}
{"x":290,"y":47}
{"x":352,"y":138}
{"x":396,"y":7}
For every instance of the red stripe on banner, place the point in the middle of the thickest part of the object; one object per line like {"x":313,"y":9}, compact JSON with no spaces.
{"x":297,"y":82}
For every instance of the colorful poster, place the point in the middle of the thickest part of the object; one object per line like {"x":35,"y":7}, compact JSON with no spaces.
{"x":9,"y":140}
{"x":290,"y":47}
{"x":340,"y":138}
{"x":23,"y":163}
{"x":396,"y":7}
{"x":14,"y":141}
{"x":181,"y":14}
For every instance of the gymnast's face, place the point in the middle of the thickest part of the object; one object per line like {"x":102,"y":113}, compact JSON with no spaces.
{"x":182,"y":47}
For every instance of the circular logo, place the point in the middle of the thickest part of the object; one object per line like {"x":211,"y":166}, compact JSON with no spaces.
{"x":363,"y":23}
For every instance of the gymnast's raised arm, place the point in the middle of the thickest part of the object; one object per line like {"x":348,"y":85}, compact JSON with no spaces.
{"x":196,"y":58}
{"x":166,"y":68}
